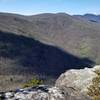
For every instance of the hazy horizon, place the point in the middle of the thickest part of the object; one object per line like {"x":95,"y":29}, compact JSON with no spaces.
{"x":47,"y":13}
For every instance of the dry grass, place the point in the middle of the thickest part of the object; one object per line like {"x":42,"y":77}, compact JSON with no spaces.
{"x":94,"y":89}
{"x":11,"y":82}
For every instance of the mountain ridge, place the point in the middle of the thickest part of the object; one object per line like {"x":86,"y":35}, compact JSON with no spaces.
{"x":46,"y":43}
{"x":90,"y":17}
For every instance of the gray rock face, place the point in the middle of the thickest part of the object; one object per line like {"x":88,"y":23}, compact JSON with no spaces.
{"x":44,"y":93}
{"x":77,"y":79}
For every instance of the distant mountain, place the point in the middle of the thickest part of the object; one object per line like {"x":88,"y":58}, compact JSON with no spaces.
{"x":45,"y":45}
{"x":90,"y":17}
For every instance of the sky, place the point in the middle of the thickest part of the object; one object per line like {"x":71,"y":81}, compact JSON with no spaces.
{"x":31,"y":7}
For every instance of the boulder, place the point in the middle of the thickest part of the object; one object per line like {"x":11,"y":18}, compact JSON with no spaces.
{"x":44,"y":93}
{"x":79,"y":79}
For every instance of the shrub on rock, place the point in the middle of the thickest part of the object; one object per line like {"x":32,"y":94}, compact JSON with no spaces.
{"x":33,"y":82}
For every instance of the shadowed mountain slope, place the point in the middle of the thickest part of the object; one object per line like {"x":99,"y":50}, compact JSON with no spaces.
{"x":22,"y":55}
